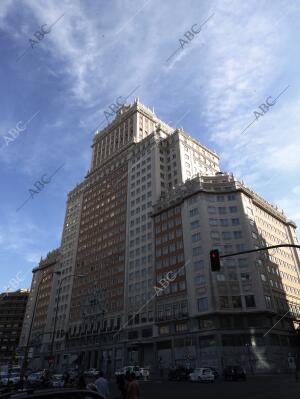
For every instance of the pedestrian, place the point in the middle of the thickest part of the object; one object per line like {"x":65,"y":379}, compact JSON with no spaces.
{"x":297,"y":368}
{"x":81,"y":382}
{"x":66,"y":378}
{"x":121,"y":384}
{"x":133,"y":389}
{"x":102,"y":385}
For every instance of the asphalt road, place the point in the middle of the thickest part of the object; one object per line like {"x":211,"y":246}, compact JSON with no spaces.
{"x":264,"y":387}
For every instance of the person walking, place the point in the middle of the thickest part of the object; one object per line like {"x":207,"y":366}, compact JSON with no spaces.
{"x":121,"y":384}
{"x":133,"y":389}
{"x":102,"y":385}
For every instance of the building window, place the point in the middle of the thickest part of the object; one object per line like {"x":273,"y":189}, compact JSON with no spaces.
{"x":197,"y":251}
{"x":236,"y":302}
{"x":221,"y":277}
{"x":195,"y":224}
{"x":181,"y":327}
{"x":215,"y":235}
{"x":224,"y":222}
{"x":245,"y":276}
{"x":194,"y":212}
{"x":250,"y":301}
{"x":213,"y":222}
{"x":199,"y":280}
{"x":202,"y":304}
{"x":263,"y":277}
{"x":164,"y":330}
{"x":226,"y":235}
{"x":268,"y":301}
{"x":224,"y":302}
{"x":237,"y":234}
{"x":212,"y":209}
{"x":196,"y":237}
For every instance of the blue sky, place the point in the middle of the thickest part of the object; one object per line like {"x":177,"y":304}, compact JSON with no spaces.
{"x":246,"y":52}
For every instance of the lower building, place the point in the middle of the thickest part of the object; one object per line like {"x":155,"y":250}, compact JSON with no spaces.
{"x":12,"y":311}
{"x":37,"y":333}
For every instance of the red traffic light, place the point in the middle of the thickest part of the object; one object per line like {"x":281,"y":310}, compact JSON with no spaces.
{"x":215,"y":260}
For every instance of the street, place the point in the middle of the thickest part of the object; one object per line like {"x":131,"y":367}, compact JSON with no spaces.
{"x":264,"y":387}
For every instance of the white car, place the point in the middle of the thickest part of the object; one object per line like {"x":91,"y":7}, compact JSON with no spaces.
{"x":145,"y":373}
{"x":202,"y":374}
{"x":57,"y":381}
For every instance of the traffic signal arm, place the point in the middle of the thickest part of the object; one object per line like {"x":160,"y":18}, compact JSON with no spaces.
{"x":260,"y":249}
{"x":215,"y":256}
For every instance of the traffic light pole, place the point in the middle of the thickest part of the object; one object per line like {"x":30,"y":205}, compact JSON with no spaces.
{"x":261,"y":249}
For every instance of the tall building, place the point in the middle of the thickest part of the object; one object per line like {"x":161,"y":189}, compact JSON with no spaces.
{"x":135,"y":284}
{"x":12,"y":311}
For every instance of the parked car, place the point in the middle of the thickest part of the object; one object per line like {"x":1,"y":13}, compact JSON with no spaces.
{"x":202,"y":374}
{"x":57,"y":381}
{"x":91,"y":372}
{"x":51,"y":393}
{"x":179,"y":374}
{"x":214,"y":371}
{"x":9,"y":379}
{"x":234,"y":373}
{"x":130,"y":369}
{"x":35,"y":378}
{"x":145,"y":373}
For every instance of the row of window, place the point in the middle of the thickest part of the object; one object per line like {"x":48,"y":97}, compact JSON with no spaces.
{"x":226,"y":235}
{"x":224,"y":222}
{"x":169,"y":261}
{"x":167,"y":249}
{"x":226,"y":302}
{"x":213,"y":198}
{"x":140,"y":164}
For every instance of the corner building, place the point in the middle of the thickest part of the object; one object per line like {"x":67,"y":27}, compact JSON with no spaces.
{"x":234,"y":316}
{"x":154,"y":201}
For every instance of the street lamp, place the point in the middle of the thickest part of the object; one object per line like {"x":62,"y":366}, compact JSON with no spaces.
{"x":56,"y":309}
{"x":31,"y":324}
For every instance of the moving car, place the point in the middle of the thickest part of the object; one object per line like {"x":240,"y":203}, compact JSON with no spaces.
{"x":234,"y":373}
{"x":202,"y":374}
{"x":179,"y":374}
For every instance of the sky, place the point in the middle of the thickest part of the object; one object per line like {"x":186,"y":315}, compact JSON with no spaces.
{"x":226,"y":71}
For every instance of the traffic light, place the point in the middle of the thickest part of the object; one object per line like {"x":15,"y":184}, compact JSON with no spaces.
{"x":215,"y":260}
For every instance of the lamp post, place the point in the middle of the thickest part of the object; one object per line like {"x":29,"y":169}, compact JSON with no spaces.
{"x":31,"y":324}
{"x":56,"y":309}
